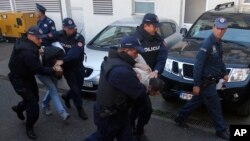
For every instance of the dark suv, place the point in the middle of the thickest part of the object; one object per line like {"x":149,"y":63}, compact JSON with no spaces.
{"x":178,"y":73}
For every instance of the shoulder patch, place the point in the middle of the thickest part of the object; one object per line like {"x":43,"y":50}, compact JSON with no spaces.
{"x":79,"y":44}
{"x":50,"y":21}
{"x":203,"y":49}
{"x":45,"y":25}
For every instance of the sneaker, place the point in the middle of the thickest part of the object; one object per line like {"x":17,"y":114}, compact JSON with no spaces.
{"x":224,"y":135}
{"x":66,"y":101}
{"x":18,"y":112}
{"x":47,"y":111}
{"x":181,"y":122}
{"x":65,"y":116}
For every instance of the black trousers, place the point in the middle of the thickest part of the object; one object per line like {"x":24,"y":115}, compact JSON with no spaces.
{"x":27,"y":88}
{"x":141,"y":111}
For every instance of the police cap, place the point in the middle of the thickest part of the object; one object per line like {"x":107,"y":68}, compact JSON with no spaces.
{"x":151,"y":19}
{"x":34,"y":30}
{"x":69,"y":23}
{"x":131,"y":42}
{"x":220,"y":22}
{"x":40,"y":8}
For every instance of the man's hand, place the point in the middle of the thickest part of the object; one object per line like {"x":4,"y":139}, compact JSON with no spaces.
{"x":225,"y":78}
{"x":153,"y":74}
{"x":58,"y":71}
{"x":196,"y":90}
{"x":59,"y":62}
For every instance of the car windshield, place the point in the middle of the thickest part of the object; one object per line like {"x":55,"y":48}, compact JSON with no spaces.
{"x":111,"y":36}
{"x":238,"y":28}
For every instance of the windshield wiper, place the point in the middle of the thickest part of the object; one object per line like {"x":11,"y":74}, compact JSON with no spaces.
{"x":196,"y":38}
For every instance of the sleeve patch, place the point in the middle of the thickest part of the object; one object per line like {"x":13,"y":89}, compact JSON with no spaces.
{"x":79,"y":44}
{"x":203,"y":49}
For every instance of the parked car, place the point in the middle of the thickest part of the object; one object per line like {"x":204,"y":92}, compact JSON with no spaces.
{"x":178,"y":73}
{"x":110,"y":37}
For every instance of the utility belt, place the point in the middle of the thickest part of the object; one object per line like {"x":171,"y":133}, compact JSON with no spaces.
{"x":109,"y":111}
{"x":208,"y":80}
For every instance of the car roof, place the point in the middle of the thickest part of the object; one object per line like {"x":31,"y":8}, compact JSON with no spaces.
{"x":135,"y":21}
{"x":234,"y":9}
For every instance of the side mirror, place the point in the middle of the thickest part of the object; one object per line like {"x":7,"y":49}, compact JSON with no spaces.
{"x":183,"y":31}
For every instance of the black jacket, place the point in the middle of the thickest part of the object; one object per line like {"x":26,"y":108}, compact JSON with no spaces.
{"x":24,"y":60}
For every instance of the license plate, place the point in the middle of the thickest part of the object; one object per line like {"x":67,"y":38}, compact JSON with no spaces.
{"x":88,"y":84}
{"x":186,"y":96}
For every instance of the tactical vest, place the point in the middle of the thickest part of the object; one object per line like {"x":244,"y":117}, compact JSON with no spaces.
{"x":109,"y":97}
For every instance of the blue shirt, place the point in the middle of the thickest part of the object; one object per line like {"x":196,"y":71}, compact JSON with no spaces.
{"x":209,"y":60}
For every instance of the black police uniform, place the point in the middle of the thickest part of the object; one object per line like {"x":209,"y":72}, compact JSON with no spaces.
{"x":47,"y":25}
{"x":24,"y":64}
{"x":155,"y":56}
{"x":73,"y":65}
{"x":118,"y":88}
{"x":208,"y":69}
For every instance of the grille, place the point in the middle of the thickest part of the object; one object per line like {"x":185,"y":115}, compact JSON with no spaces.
{"x":175,"y":67}
{"x":188,"y":70}
{"x":88,"y":72}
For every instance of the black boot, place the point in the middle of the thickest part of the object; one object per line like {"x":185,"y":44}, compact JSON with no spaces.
{"x":181,"y":122}
{"x":66,"y":101}
{"x":224,"y":135}
{"x":18,"y":112}
{"x":82,"y":114}
{"x":30,"y":133}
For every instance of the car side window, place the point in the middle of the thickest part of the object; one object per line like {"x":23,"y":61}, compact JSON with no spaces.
{"x":167,"y":29}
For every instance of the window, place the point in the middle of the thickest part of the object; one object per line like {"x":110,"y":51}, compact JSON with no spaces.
{"x":144,"y":6}
{"x":29,"y":5}
{"x":103,"y":7}
{"x":167,"y":29}
{"x":247,"y":1}
{"x":5,"y":5}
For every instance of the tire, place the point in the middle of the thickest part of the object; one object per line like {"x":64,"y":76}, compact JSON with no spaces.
{"x":244,"y":109}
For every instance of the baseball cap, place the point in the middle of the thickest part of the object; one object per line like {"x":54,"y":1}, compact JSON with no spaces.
{"x":68,"y":22}
{"x":131,"y":42}
{"x":152,"y":19}
{"x":40,"y":8}
{"x":220,"y":22}
{"x":35,"y":30}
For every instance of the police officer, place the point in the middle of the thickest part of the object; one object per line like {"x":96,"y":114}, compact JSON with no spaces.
{"x":46,"y":24}
{"x":155,"y":56}
{"x":208,"y":69}
{"x":118,"y":87}
{"x":24,"y":64}
{"x":73,"y":44}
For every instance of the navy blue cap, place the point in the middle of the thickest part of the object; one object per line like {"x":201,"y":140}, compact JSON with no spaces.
{"x":40,"y":8}
{"x":152,"y":19}
{"x":68,"y":22}
{"x":35,"y":30}
{"x":220,"y":22}
{"x":131,"y":42}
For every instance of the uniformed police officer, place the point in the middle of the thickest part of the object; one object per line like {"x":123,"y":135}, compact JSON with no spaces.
{"x":155,"y":56}
{"x":73,"y":44}
{"x":24,"y":64}
{"x":118,"y":87}
{"x":46,"y":24}
{"x":208,"y":69}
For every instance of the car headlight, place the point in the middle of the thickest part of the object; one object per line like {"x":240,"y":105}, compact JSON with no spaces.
{"x":238,"y":74}
{"x":168,"y":65}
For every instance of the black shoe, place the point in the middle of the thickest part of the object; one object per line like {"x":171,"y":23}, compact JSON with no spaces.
{"x":82,"y":114}
{"x":224,"y":135}
{"x":141,"y":138}
{"x":30,"y":133}
{"x":181,"y":122}
{"x":66,"y":101}
{"x":18,"y":112}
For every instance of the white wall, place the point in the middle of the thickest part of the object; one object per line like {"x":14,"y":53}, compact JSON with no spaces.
{"x":212,"y":3}
{"x":56,"y":17}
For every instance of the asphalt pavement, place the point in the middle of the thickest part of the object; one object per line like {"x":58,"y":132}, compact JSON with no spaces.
{"x":160,"y":128}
